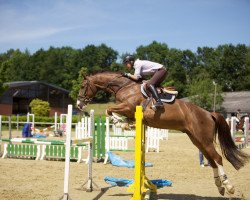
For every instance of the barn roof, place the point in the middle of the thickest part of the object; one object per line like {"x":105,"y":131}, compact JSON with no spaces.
{"x":237,"y":100}
{"x":34,"y":89}
{"x":234,"y":101}
{"x":23,"y":84}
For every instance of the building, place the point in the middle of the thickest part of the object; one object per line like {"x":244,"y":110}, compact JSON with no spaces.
{"x":236,"y":100}
{"x":16,"y":99}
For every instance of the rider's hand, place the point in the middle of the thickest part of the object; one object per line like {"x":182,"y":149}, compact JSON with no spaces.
{"x":126,"y":74}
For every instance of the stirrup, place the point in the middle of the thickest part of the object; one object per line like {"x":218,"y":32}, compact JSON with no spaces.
{"x":158,"y":104}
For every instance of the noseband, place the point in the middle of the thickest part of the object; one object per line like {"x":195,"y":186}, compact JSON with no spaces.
{"x":83,"y":96}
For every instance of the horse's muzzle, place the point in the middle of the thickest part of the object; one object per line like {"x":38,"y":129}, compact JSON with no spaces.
{"x":80,"y":105}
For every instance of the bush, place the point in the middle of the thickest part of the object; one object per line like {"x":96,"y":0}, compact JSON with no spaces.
{"x":39,"y":107}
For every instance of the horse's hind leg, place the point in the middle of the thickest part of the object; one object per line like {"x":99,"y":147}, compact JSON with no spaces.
{"x":220,"y":176}
{"x":215,"y":160}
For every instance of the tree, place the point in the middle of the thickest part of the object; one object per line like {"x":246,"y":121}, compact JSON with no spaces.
{"x":2,"y":88}
{"x":177,"y":75}
{"x":245,"y":76}
{"x":231,"y":67}
{"x":157,"y":52}
{"x":77,"y":83}
{"x":201,"y":91}
{"x":14,"y":68}
{"x":188,"y":61}
{"x":97,"y":57}
{"x":40,"y":108}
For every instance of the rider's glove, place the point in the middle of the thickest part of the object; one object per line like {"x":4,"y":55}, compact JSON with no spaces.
{"x":126,"y":74}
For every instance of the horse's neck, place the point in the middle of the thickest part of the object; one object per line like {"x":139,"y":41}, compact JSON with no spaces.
{"x":110,"y":83}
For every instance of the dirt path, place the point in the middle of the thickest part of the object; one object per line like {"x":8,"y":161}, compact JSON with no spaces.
{"x":177,"y":161}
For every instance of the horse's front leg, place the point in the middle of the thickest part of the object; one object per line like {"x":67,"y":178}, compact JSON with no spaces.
{"x":121,"y":109}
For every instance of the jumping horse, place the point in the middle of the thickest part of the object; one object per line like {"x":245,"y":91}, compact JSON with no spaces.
{"x":200,"y":125}
{"x":240,"y":125}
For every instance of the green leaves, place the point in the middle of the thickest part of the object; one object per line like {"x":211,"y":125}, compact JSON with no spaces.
{"x":76,"y":84}
{"x":228,"y":65}
{"x":39,"y":107}
{"x":204,"y":92}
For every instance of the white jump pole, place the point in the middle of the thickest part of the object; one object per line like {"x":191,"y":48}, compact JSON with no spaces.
{"x":33,"y":121}
{"x":233,"y":127}
{"x":0,"y":132}
{"x":62,"y":116}
{"x":10,"y":134}
{"x":55,"y":121}
{"x":67,"y":153}
{"x":246,"y":131}
{"x":17,"y":122}
{"x":107,"y":142}
{"x":90,"y":184}
{"x":0,"y":126}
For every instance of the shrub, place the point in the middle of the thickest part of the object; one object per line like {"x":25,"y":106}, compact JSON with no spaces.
{"x":39,"y":107}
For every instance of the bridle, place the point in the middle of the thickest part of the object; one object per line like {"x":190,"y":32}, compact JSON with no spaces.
{"x":83,"y":95}
{"x":114,"y":83}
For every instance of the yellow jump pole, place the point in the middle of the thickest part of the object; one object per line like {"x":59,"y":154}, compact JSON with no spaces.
{"x":141,"y":186}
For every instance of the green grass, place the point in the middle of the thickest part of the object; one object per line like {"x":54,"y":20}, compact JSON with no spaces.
{"x":99,"y":108}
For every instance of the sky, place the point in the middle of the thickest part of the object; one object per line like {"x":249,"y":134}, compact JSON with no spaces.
{"x":123,"y":25}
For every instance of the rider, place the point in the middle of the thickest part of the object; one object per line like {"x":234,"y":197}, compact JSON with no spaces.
{"x":144,"y":68}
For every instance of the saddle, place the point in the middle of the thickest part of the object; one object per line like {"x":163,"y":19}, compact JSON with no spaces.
{"x":166,"y":94}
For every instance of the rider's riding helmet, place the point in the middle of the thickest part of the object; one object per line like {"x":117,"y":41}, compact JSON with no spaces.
{"x":129,"y":58}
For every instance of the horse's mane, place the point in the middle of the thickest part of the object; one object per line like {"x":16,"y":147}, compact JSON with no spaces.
{"x":244,"y":116}
{"x":117,"y":73}
{"x":104,"y":72}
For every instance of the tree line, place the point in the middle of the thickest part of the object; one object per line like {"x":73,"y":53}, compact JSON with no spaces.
{"x":226,"y":65}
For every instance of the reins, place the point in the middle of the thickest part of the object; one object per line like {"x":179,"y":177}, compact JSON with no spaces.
{"x":83,"y":97}
{"x":114,"y":83}
{"x":109,"y":86}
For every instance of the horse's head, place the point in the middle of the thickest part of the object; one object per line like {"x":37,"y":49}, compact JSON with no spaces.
{"x":86,"y":93}
{"x":110,"y":82}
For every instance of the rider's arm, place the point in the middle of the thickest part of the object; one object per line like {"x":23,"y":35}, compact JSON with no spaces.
{"x":134,"y":77}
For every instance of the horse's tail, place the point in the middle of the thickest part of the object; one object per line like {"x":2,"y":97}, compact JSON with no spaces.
{"x":234,"y":155}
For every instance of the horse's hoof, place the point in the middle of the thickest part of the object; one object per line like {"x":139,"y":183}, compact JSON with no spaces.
{"x":230,"y":189}
{"x":106,"y":113}
{"x":221,"y":190}
{"x":125,"y":126}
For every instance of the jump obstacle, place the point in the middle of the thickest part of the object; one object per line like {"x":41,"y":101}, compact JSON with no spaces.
{"x":142,"y":186}
{"x":118,"y":140}
{"x":89,"y":181}
{"x":243,"y":140}
{"x":103,"y":141}
{"x":32,"y":120}
{"x":39,"y":149}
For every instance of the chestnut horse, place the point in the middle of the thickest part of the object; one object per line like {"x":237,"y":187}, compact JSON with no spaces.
{"x":240,"y":125}
{"x":200,"y":125}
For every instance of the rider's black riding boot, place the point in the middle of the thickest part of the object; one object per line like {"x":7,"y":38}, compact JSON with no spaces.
{"x":155,"y":96}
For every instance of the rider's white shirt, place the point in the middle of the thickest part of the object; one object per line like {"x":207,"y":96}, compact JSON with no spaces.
{"x":145,"y":67}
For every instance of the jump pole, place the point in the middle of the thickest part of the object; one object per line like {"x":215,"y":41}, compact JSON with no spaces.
{"x":89,"y":181}
{"x":33,"y":121}
{"x":142,"y":186}
{"x":67,"y":153}
{"x":0,"y":126}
